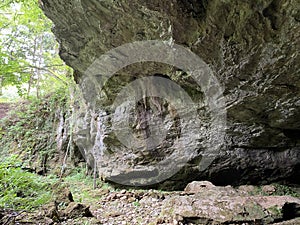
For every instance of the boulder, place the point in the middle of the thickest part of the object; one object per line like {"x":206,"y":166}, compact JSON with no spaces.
{"x":76,"y":210}
{"x":227,"y":205}
{"x":198,"y":186}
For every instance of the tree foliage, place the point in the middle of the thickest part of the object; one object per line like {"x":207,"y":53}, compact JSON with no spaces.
{"x":28,"y":52}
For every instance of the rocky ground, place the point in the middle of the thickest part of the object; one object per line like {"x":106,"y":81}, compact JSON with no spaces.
{"x":199,"y":203}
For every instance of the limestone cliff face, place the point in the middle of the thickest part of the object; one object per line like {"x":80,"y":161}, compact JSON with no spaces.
{"x":253,"y":49}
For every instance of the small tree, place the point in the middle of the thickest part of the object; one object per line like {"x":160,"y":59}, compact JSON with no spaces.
{"x":28,"y":52}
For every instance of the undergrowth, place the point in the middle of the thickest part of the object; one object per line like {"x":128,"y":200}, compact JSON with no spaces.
{"x":29,"y":144}
{"x":81,"y":186}
{"x":30,"y":128}
{"x":19,"y":189}
{"x":279,"y":190}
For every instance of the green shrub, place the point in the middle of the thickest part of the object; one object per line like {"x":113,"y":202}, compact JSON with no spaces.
{"x":285,"y":190}
{"x":30,"y":129}
{"x":20,"y":189}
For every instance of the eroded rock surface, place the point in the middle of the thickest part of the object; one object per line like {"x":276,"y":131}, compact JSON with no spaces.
{"x":252,"y":47}
{"x":226,"y":205}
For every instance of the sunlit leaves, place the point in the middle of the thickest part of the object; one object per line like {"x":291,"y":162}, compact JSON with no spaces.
{"x":28,"y":50}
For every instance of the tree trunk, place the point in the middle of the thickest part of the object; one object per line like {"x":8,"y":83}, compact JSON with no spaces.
{"x":40,"y":55}
{"x":1,"y":86}
{"x":30,"y":82}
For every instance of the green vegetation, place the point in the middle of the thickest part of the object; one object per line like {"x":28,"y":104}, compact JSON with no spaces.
{"x":136,"y":203}
{"x":81,"y":186}
{"x":35,"y":136}
{"x":20,"y":189}
{"x":28,"y":144}
{"x":275,"y":212}
{"x":30,"y":127}
{"x":25,"y":148}
{"x":285,"y":190}
{"x":279,"y":190}
{"x":29,"y":57}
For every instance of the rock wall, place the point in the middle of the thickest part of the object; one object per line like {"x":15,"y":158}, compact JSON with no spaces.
{"x":251,"y":47}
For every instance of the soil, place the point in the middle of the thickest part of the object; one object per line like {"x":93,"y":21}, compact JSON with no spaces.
{"x":4,"y":109}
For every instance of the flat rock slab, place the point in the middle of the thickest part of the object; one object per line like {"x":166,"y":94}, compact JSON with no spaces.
{"x":205,"y":203}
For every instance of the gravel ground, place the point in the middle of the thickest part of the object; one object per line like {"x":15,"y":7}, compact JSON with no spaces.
{"x":127,"y":207}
